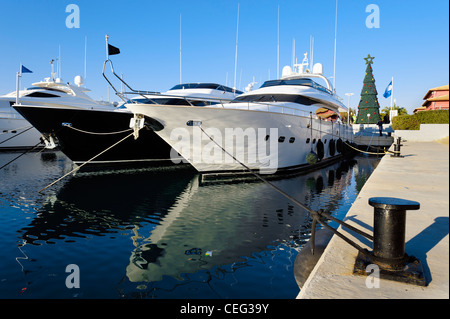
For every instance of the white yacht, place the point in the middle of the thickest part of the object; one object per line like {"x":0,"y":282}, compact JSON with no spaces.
{"x":17,"y":133}
{"x":276,"y":127}
{"x":83,"y":133}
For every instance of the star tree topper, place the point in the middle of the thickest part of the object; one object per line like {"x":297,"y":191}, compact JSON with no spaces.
{"x":369,"y":59}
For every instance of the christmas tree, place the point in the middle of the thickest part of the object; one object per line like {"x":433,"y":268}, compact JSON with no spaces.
{"x":368,"y":109}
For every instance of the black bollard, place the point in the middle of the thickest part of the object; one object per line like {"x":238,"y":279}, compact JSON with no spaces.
{"x":388,"y":253}
{"x":389,"y":226}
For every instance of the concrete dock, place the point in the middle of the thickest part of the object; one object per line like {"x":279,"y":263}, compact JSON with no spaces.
{"x":421,"y":175}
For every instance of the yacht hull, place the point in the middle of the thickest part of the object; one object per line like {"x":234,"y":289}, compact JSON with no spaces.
{"x":82,"y":141}
{"x":16,"y":133}
{"x":215,"y":139}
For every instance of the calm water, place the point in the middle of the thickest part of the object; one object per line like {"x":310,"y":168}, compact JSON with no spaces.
{"x":157,"y":233}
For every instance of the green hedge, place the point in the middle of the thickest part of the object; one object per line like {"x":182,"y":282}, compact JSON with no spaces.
{"x":412,"y":122}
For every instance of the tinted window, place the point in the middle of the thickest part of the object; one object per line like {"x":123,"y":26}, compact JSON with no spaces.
{"x":212,"y":86}
{"x":307,"y":82}
{"x":164,"y":101}
{"x":41,"y":94}
{"x":303,"y":82}
{"x":275,"y":98}
{"x":47,"y":89}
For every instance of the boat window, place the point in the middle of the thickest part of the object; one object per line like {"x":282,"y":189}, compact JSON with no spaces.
{"x":275,"y":98}
{"x":195,"y":86}
{"x":212,"y":86}
{"x":184,"y":86}
{"x":203,"y":103}
{"x":281,"y":139}
{"x":228,"y":89}
{"x":207,"y":86}
{"x":46,"y":89}
{"x":292,"y":140}
{"x":163,"y":101}
{"x":302,"y":81}
{"x":41,"y":94}
{"x":307,"y":82}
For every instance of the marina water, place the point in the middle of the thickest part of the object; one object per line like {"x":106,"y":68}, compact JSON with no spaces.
{"x":158,"y":233}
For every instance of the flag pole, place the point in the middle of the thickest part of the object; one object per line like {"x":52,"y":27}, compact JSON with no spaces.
{"x":392,"y":93}
{"x":107,"y":52}
{"x":18,"y":75}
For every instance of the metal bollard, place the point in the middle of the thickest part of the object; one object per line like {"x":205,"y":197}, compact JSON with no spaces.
{"x":389,"y":226}
{"x":388,"y":253}
{"x":397,"y":147}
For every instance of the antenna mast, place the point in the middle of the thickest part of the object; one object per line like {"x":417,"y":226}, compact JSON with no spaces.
{"x":59,"y":62}
{"x":293,"y":53}
{"x":235,"y":55}
{"x":335,"y":35}
{"x":180,"y":48}
{"x":278,"y":43}
{"x":85,"y":54}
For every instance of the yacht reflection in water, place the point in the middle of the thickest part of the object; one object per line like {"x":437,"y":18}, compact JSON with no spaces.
{"x":216,"y":225}
{"x":178,"y":226}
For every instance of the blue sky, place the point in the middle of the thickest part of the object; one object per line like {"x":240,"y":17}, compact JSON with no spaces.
{"x":411,"y":43}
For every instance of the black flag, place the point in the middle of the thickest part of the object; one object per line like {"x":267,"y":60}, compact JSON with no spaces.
{"x":112,"y":50}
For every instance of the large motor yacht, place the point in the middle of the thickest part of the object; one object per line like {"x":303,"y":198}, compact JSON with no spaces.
{"x":276,"y":127}
{"x":84,"y":133}
{"x":17,"y":133}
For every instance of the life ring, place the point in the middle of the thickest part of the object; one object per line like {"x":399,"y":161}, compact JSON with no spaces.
{"x":332,"y":148}
{"x":320,"y":149}
{"x":339,"y":146}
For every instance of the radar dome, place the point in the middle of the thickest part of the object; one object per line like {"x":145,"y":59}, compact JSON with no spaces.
{"x":78,"y":80}
{"x":318,"y":68}
{"x":287,"y":70}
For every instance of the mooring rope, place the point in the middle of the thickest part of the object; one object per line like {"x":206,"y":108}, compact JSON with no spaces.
{"x":25,"y":255}
{"x":95,"y":133}
{"x":27,"y":151}
{"x":372,"y":153}
{"x":316,"y":215}
{"x":29,"y":128}
{"x":78,"y":167}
